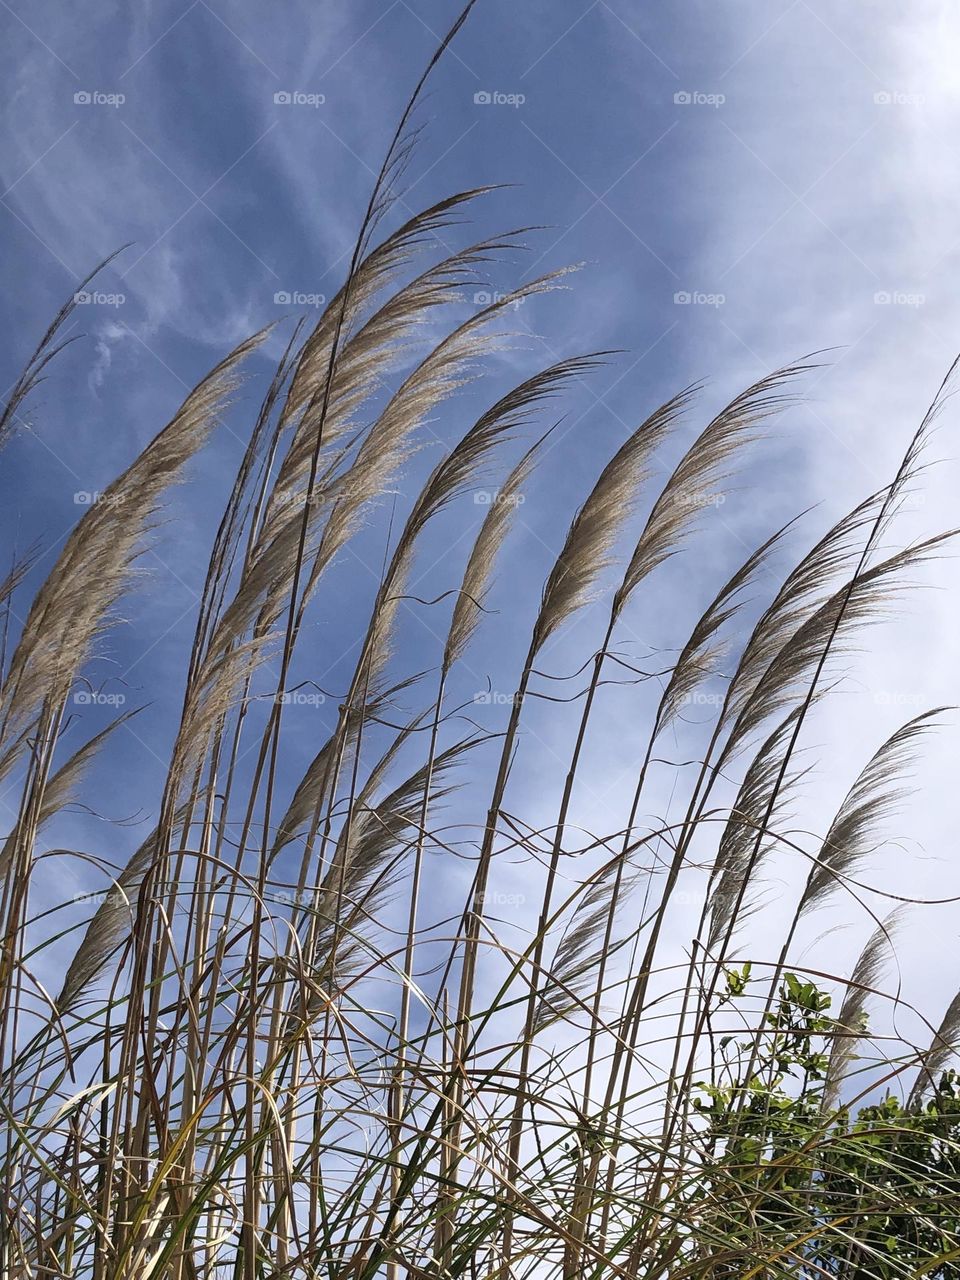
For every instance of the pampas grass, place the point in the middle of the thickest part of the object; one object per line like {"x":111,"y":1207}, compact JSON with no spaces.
{"x":281,"y":1047}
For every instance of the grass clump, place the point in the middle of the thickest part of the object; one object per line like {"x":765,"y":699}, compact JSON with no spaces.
{"x":276,"y":1051}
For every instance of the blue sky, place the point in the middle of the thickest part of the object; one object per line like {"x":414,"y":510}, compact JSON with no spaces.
{"x":744,"y":182}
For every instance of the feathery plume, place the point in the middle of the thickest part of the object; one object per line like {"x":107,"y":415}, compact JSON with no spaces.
{"x":590,"y":539}
{"x":874,"y":796}
{"x":850,"y":1026}
{"x":944,"y":1045}
{"x":92,"y":571}
{"x":859,"y":603}
{"x":704,"y":465}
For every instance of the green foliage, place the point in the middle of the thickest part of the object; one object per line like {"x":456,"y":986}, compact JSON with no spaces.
{"x":872,"y":1190}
